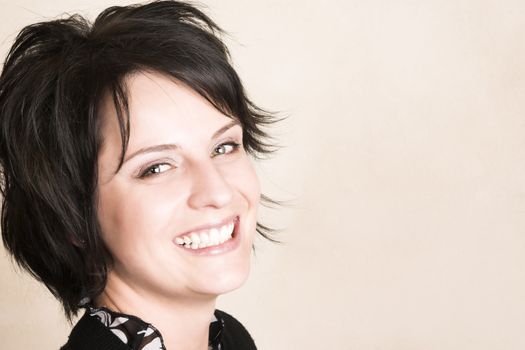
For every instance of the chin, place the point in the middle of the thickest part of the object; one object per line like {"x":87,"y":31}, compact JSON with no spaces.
{"x":223,"y":282}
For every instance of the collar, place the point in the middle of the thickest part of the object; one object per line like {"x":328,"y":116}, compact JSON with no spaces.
{"x":138,"y":334}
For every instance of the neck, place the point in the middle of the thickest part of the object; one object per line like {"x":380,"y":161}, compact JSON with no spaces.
{"x":183,"y":322}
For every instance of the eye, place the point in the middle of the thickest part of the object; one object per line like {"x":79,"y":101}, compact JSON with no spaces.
{"x":225,"y":148}
{"x":154,"y":169}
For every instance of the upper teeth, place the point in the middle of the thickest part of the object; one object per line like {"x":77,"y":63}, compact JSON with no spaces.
{"x":208,"y":238}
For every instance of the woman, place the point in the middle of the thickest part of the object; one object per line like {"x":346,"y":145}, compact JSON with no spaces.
{"x":127,"y":184}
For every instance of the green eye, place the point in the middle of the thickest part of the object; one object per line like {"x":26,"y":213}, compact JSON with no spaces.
{"x":225,"y":148}
{"x":155,"y":169}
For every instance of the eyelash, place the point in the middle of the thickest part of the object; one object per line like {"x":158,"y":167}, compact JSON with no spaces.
{"x":147,"y":172}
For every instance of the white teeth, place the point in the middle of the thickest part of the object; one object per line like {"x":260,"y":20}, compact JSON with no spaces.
{"x":204,"y":238}
{"x":224,"y":231}
{"x":195,"y":238}
{"x":215,"y":236}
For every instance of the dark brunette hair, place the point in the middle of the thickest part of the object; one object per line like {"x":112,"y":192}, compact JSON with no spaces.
{"x":53,"y":81}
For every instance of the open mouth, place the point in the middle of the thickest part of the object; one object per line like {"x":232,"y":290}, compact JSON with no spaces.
{"x":209,"y":238}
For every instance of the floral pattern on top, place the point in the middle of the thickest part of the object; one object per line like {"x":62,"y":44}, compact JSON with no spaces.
{"x":140,"y":335}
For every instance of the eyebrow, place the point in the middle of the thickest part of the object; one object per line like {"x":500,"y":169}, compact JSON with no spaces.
{"x":172,"y":146}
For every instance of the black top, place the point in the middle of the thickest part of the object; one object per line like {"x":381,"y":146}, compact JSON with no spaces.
{"x":138,"y":334}
{"x":90,"y":334}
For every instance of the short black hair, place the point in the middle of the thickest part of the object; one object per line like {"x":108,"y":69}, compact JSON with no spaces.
{"x":53,"y":81}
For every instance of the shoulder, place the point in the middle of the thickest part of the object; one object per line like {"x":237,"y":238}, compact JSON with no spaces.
{"x":234,"y":334}
{"x":90,"y":334}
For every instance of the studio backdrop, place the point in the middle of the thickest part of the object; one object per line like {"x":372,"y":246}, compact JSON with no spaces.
{"x":401,"y":174}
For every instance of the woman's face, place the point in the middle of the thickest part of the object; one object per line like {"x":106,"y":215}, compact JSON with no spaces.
{"x":183,"y":188}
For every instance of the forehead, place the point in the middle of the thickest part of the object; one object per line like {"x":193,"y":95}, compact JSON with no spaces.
{"x":160,"y":107}
{"x":155,"y":96}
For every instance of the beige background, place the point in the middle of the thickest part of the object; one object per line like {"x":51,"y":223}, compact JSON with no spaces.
{"x":403,"y":166}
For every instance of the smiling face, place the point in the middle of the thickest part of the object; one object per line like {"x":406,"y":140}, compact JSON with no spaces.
{"x":185,"y":185}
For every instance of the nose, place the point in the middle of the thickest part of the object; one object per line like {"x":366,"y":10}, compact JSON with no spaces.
{"x":209,"y":187}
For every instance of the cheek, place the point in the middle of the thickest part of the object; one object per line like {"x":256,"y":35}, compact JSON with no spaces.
{"x":245,"y":180}
{"x":128,"y":219}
